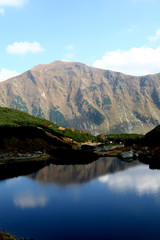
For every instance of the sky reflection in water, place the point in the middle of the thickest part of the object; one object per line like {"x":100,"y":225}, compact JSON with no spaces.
{"x":140,"y":179}
{"x":85,"y":201}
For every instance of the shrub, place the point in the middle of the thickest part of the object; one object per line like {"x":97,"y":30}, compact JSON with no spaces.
{"x":101,"y":136}
{"x":83,"y":130}
{"x":72,"y":129}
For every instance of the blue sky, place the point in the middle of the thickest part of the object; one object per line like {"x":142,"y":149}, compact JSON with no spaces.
{"x":119,"y":35}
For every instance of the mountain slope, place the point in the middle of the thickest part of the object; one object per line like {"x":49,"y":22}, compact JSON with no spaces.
{"x":79,"y":96}
{"x":14,"y":122}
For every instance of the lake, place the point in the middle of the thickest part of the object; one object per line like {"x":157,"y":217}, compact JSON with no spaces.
{"x":105,"y":199}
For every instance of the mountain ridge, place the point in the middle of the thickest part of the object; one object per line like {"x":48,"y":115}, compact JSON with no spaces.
{"x":76,"y":95}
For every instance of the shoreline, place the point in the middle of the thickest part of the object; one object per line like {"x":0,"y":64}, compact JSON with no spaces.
{"x":13,"y":164}
{"x":8,"y":236}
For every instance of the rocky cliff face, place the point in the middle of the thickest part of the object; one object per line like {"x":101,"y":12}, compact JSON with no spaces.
{"x":79,"y":96}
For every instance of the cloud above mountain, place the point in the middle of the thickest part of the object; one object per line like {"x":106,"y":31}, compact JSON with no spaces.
{"x":13,"y":3}
{"x":1,"y":11}
{"x":24,"y":48}
{"x":135,"y":61}
{"x":6,"y":74}
{"x":155,"y":37}
{"x":143,"y":1}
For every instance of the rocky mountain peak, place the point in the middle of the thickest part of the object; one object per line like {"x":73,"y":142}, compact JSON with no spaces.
{"x":73,"y":94}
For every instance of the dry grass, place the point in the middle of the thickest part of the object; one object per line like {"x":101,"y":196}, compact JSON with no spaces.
{"x":7,"y":236}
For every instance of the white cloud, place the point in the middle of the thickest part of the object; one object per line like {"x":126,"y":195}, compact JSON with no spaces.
{"x":1,"y":11}
{"x":135,"y":61}
{"x":155,"y":37}
{"x":65,"y":60}
{"x":13,"y":3}
{"x":69,"y":53}
{"x":131,"y":28}
{"x":24,"y":47}
{"x":6,"y":74}
{"x":140,"y":179}
{"x":70,"y":47}
{"x":144,"y":1}
{"x":30,"y":200}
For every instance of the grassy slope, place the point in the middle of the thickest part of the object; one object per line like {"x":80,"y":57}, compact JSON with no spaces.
{"x":124,"y":138}
{"x":10,"y":118}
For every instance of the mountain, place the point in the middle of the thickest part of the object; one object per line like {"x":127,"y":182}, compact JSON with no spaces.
{"x":75,"y":95}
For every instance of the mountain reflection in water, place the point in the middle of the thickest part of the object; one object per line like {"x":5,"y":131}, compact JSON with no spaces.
{"x":117,"y":200}
{"x":74,"y":174}
{"x":117,"y":175}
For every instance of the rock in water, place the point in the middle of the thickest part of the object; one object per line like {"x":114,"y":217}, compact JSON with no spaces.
{"x":127,"y":155}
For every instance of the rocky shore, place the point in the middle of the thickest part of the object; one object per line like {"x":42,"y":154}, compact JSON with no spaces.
{"x":20,"y":156}
{"x":144,"y":153}
{"x":7,"y":236}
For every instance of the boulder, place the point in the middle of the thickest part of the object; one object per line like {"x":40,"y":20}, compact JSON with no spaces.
{"x":127,"y":155}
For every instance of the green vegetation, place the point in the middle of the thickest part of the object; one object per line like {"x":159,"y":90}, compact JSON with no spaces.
{"x":145,"y":119}
{"x":19,"y":104}
{"x":107,"y":101}
{"x":79,"y":136}
{"x":14,"y":118}
{"x":98,"y":102}
{"x":57,"y":117}
{"x":11,"y":118}
{"x":37,"y":112}
{"x":124,"y":138}
{"x":95,"y":115}
{"x":107,"y":104}
{"x":92,"y":113}
{"x":156,"y":97}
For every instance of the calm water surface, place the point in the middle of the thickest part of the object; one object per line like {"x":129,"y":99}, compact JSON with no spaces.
{"x":106,"y":199}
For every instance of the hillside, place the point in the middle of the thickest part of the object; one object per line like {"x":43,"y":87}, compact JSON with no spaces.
{"x":24,"y":136}
{"x":76,"y":95}
{"x":15,"y":119}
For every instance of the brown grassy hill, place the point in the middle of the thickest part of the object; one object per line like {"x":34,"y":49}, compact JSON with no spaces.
{"x":75,"y":95}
